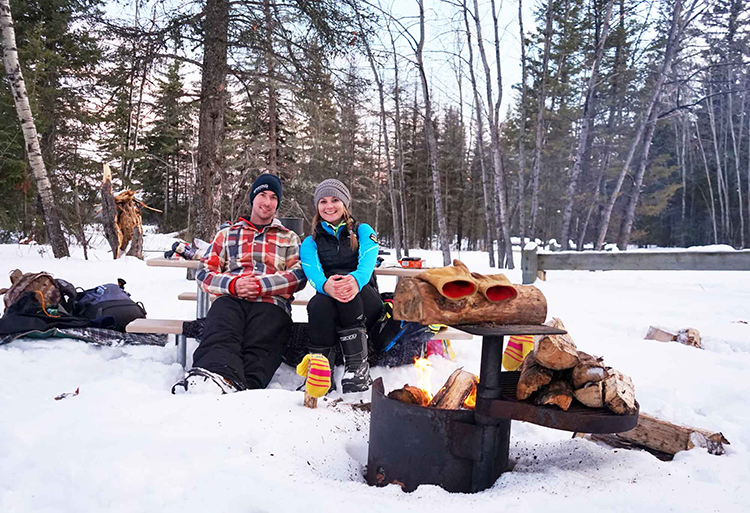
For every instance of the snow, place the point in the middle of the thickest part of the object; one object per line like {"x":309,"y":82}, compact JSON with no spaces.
{"x":126,"y":444}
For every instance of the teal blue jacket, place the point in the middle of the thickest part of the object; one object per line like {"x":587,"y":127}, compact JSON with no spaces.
{"x":367,"y":256}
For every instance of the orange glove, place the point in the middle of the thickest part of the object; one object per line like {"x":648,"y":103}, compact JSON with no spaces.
{"x":453,"y":282}
{"x":495,"y":287}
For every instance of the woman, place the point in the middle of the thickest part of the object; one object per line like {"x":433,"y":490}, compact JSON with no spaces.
{"x":339,"y":260}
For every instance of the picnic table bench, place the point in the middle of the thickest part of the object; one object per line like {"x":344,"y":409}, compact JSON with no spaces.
{"x":176,"y":326}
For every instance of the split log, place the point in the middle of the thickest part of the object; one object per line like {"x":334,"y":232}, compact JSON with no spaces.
{"x":659,"y":334}
{"x":558,"y":392}
{"x":664,"y":439}
{"x":417,"y":301}
{"x":619,"y":393}
{"x":588,"y":370}
{"x":411,"y":395}
{"x":557,"y":352}
{"x":455,"y":391}
{"x":591,"y":394}
{"x":533,"y":377}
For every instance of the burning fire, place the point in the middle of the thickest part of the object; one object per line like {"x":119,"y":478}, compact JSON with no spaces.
{"x":424,"y":380}
{"x":471,"y":401}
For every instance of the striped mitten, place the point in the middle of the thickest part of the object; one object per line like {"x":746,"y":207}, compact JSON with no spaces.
{"x":315,"y":368}
{"x":516,"y":350}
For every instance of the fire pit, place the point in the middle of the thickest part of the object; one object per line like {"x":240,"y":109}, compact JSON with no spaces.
{"x":465,"y":450}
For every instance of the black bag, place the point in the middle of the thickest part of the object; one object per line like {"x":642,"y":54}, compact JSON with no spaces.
{"x":109,"y":300}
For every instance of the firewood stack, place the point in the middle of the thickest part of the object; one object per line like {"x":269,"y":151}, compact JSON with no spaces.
{"x":557,"y":373}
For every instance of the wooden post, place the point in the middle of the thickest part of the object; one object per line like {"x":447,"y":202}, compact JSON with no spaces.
{"x":529,"y":264}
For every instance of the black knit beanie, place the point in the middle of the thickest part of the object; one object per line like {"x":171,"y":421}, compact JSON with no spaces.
{"x":265,"y":182}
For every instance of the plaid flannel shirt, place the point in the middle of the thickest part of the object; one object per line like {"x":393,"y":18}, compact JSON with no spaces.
{"x":271,"y":255}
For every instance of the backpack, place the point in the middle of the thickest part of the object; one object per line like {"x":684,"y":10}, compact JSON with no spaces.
{"x":109,"y":300}
{"x":50,"y":292}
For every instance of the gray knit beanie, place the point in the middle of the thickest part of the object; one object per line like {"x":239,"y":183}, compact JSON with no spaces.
{"x":333,"y":188}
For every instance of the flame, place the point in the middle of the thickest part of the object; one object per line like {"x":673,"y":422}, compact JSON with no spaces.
{"x":471,"y":400}
{"x":424,"y":381}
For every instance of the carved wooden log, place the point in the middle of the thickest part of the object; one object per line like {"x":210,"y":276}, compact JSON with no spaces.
{"x":418,"y":301}
{"x":592,"y":395}
{"x":619,"y":393}
{"x":556,"y":352}
{"x":533,"y":377}
{"x":109,"y":213}
{"x":455,"y":391}
{"x":558,"y":392}
{"x":411,"y":395}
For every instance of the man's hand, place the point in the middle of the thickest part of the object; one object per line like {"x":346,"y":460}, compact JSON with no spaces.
{"x":247,"y":287}
{"x":342,"y":288}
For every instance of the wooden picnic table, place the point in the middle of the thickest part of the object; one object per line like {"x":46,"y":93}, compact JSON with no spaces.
{"x":204,"y":302}
{"x":195,"y":264}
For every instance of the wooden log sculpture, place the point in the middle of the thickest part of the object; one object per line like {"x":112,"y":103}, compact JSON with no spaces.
{"x":418,"y":301}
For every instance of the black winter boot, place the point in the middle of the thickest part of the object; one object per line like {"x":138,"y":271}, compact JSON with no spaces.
{"x":356,"y":376}
{"x":330,"y":353}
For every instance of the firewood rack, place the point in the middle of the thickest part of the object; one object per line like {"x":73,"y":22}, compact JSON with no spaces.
{"x":462,"y":450}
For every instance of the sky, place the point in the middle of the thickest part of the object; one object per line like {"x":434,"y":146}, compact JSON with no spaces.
{"x":125,"y":444}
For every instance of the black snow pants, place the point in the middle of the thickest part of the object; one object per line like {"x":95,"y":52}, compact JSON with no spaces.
{"x":325,"y":315}
{"x":243,"y":341}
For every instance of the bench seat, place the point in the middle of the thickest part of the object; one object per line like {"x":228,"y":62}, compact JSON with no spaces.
{"x":174,"y":327}
{"x":193,"y":296}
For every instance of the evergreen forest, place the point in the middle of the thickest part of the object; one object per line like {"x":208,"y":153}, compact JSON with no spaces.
{"x":629,"y":122}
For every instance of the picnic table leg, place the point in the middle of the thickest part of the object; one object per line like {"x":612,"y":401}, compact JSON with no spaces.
{"x":495,"y":432}
{"x":181,"y":342}
{"x":204,"y":303}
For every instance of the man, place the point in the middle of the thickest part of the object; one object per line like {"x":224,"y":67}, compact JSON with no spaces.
{"x":254,"y":268}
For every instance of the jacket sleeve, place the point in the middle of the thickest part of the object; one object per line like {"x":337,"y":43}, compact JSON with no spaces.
{"x":211,"y":273}
{"x":368,"y":255}
{"x":311,"y":264}
{"x":292,"y":278}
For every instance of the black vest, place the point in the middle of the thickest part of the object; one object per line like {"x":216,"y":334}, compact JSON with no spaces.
{"x":336,"y":254}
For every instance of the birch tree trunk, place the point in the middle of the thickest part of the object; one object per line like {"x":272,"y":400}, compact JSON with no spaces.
{"x":502,"y":217}
{"x":399,"y":146}
{"x":272,"y":109}
{"x":501,"y":214}
{"x":521,"y":133}
{"x":586,"y":121}
{"x":735,"y":148}
{"x":387,"y":150}
{"x":720,"y":175}
{"x":480,"y":143}
{"x":211,"y":117}
{"x":432,"y":143}
{"x":627,"y":225}
{"x":710,"y":187}
{"x":536,"y":169}
{"x":26,"y":118}
{"x":675,"y":30}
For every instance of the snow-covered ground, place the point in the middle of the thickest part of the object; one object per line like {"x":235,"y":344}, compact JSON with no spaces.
{"x":126,"y":444}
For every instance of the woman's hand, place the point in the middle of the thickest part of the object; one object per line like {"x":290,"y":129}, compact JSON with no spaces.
{"x":342,"y":288}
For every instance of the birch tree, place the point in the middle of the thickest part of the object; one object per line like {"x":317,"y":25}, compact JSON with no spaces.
{"x":17,"y":85}
{"x":587,"y":120}
{"x":501,"y":214}
{"x":386,"y":149}
{"x":432,"y":142}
